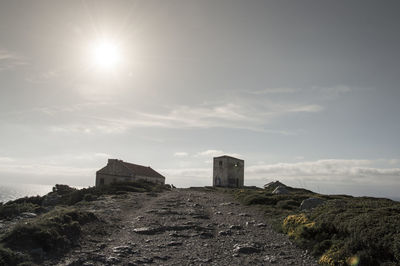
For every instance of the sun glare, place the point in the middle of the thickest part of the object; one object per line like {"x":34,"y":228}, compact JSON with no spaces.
{"x":106,"y":55}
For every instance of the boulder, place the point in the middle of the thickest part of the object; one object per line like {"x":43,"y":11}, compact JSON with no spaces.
{"x":281,"y":190}
{"x":311,"y":203}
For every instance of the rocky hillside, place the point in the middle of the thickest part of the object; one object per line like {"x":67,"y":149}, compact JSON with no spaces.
{"x":139,"y":223}
{"x":152,"y":226}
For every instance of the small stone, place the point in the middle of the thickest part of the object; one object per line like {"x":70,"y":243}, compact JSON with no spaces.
{"x":28,"y":215}
{"x":247,"y":248}
{"x":226,"y":203}
{"x":145,"y":230}
{"x":270,"y":259}
{"x":218,"y":213}
{"x":144,"y":260}
{"x":122,"y":250}
{"x":261,"y":225}
{"x":235,"y":227}
{"x":113,"y":260}
{"x":166,"y":257}
{"x":101,"y":246}
{"x":225,"y":233}
{"x":174,"y":243}
{"x":244,"y":215}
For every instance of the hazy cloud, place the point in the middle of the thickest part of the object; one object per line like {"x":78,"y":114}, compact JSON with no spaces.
{"x":181,"y":154}
{"x":329,"y":171}
{"x":43,"y":77}
{"x":215,"y":153}
{"x":273,"y":91}
{"x":113,"y":118}
{"x":9,"y":60}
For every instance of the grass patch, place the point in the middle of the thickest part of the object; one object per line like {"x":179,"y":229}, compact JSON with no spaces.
{"x":9,"y":257}
{"x":54,"y":232}
{"x":344,"y":231}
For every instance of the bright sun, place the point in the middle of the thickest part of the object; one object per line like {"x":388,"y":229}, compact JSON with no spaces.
{"x":106,"y":54}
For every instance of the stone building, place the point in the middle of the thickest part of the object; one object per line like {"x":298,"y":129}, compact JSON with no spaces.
{"x":120,"y":171}
{"x":228,"y":172}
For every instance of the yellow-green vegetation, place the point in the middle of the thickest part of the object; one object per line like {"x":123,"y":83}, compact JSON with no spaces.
{"x":293,"y":225}
{"x":344,"y":230}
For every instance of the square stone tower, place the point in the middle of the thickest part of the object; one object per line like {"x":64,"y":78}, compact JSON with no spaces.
{"x":228,"y":172}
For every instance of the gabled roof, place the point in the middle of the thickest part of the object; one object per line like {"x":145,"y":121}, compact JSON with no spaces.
{"x":141,"y":170}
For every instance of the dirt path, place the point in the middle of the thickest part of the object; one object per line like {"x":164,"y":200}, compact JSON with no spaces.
{"x":181,"y":227}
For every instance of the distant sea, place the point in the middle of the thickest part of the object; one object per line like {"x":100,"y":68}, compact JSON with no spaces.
{"x":14,"y":191}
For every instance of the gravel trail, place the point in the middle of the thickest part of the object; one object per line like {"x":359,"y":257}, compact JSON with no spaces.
{"x":181,"y":227}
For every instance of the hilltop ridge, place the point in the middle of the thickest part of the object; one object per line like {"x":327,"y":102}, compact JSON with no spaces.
{"x":143,"y":223}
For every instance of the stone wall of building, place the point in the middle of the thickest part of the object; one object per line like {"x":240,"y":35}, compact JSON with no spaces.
{"x":116,"y":172}
{"x":228,"y":172}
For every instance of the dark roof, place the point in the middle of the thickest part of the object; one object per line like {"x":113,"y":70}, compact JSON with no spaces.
{"x":142,"y":170}
{"x":228,"y":157}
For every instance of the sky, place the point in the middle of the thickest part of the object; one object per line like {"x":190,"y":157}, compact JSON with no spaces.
{"x":306,"y":92}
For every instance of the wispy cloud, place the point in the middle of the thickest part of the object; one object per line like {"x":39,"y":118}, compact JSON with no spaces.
{"x":112,"y":118}
{"x":10,"y":60}
{"x":187,"y":177}
{"x":215,"y":153}
{"x":327,"y":171}
{"x":181,"y":154}
{"x":273,"y":91}
{"x":56,"y":165}
{"x":43,"y":77}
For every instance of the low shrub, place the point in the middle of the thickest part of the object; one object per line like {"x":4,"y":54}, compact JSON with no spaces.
{"x":55,"y":231}
{"x":11,"y":210}
{"x":345,"y":230}
{"x":9,"y":257}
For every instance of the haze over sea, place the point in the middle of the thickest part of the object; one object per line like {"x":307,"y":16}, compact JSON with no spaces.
{"x":12,"y":191}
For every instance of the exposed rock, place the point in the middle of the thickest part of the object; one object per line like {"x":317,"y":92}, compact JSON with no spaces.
{"x":281,"y":190}
{"x":247,"y":248}
{"x":311,"y":203}
{"x":261,"y":225}
{"x":225,"y":233}
{"x":235,"y":227}
{"x":144,"y":260}
{"x":166,"y":257}
{"x":28,"y":215}
{"x":270,"y":259}
{"x":226,"y":203}
{"x":122,"y":250}
{"x":113,"y":260}
{"x":174,"y":243}
{"x":146,"y":230}
{"x":274,"y":184}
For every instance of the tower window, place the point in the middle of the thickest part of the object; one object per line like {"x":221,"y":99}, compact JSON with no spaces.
{"x":220,"y":163}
